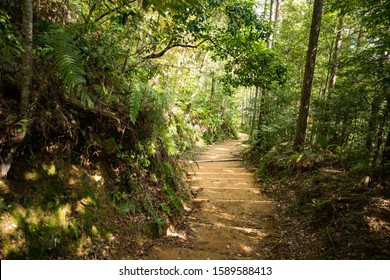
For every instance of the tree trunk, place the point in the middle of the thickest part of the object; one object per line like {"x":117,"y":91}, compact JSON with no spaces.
{"x":277,"y":11}
{"x":372,"y":126}
{"x":254,"y":111}
{"x":27,"y":34}
{"x":271,"y":12}
{"x":325,"y":90}
{"x":385,"y":163}
{"x":263,"y":108}
{"x":277,"y":18}
{"x":308,"y":77}
{"x":386,"y":158}
{"x":212,"y":91}
{"x":335,"y":57}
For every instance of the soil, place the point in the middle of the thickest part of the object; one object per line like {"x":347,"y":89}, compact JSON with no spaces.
{"x":230,"y":216}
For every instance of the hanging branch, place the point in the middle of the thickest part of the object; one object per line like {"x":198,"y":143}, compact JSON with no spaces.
{"x":171,"y":46}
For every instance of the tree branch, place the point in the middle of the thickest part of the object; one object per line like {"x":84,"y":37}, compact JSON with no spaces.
{"x":88,"y":18}
{"x":221,"y":48}
{"x":106,"y":14}
{"x":111,"y":11}
{"x":171,"y":46}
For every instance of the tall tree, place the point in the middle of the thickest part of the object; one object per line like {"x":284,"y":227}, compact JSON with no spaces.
{"x":336,"y":52}
{"x":271,"y":12}
{"x":277,"y":11}
{"x":308,"y":76}
{"x":27,"y":33}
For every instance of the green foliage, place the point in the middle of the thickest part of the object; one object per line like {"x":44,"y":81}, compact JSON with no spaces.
{"x":66,"y":55}
{"x":257,"y":67}
{"x":9,"y":43}
{"x":68,"y":63}
{"x":135,"y":102}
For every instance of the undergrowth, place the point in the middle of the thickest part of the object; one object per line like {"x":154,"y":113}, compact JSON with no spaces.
{"x":79,"y":189}
{"x":346,"y":212}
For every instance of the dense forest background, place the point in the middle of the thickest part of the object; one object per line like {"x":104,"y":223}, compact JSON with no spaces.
{"x":102,"y":101}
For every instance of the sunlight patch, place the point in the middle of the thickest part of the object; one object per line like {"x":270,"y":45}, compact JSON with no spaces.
{"x":31,"y":176}
{"x":246,"y":248}
{"x":49,"y":168}
{"x":4,"y":186}
{"x":171,"y":231}
{"x":97,"y":178}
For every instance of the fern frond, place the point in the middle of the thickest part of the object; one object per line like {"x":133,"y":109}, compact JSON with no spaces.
{"x":84,"y":97}
{"x":162,"y":98}
{"x":67,"y":60}
{"x":67,"y":63}
{"x":135,"y":101}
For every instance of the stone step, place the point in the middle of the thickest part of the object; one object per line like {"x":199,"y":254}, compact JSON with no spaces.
{"x":226,"y":193}
{"x":239,"y":207}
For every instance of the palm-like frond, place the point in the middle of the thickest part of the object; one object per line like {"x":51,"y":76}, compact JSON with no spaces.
{"x":67,"y":63}
{"x":135,"y":101}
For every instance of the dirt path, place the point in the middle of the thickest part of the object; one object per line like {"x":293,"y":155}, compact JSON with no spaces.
{"x":230,"y":219}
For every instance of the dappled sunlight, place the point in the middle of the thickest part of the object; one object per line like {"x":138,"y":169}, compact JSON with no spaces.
{"x":97,"y":178}
{"x":12,"y":238}
{"x":172,"y":232}
{"x":4,"y":187}
{"x":246,"y":249}
{"x":332,"y":170}
{"x":31,"y":176}
{"x":59,"y":216}
{"x":222,"y":149}
{"x":49,"y":168}
{"x":83,"y":203}
{"x":72,"y":182}
{"x":95,"y":232}
{"x":378,"y":224}
{"x":380,"y":221}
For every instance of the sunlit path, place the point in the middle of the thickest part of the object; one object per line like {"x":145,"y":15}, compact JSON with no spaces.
{"x":231,"y":213}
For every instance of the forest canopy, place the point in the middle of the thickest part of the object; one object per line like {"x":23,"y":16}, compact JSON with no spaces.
{"x":129,"y":89}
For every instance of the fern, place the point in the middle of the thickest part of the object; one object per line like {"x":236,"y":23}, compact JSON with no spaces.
{"x":140,"y":91}
{"x":68,"y":64}
{"x":67,"y":60}
{"x":135,"y":102}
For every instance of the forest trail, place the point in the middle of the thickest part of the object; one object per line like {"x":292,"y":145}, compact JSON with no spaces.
{"x":230,"y":215}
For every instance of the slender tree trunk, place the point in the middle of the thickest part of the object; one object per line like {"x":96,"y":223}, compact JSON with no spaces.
{"x":325,"y":90}
{"x":271,"y":12}
{"x":335,"y":57}
{"x":277,"y":18}
{"x":254,"y":110}
{"x":379,"y":141}
{"x":212,"y":91}
{"x":27,"y":33}
{"x":6,"y":161}
{"x":263,"y":108}
{"x":385,"y":162}
{"x":372,"y":126}
{"x":277,"y":11}
{"x":386,"y":158}
{"x":308,"y":77}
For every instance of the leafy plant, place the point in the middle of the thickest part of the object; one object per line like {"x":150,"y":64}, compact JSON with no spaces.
{"x":67,"y":61}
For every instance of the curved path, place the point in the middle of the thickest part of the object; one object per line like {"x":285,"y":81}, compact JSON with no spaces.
{"x":231,"y":216}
